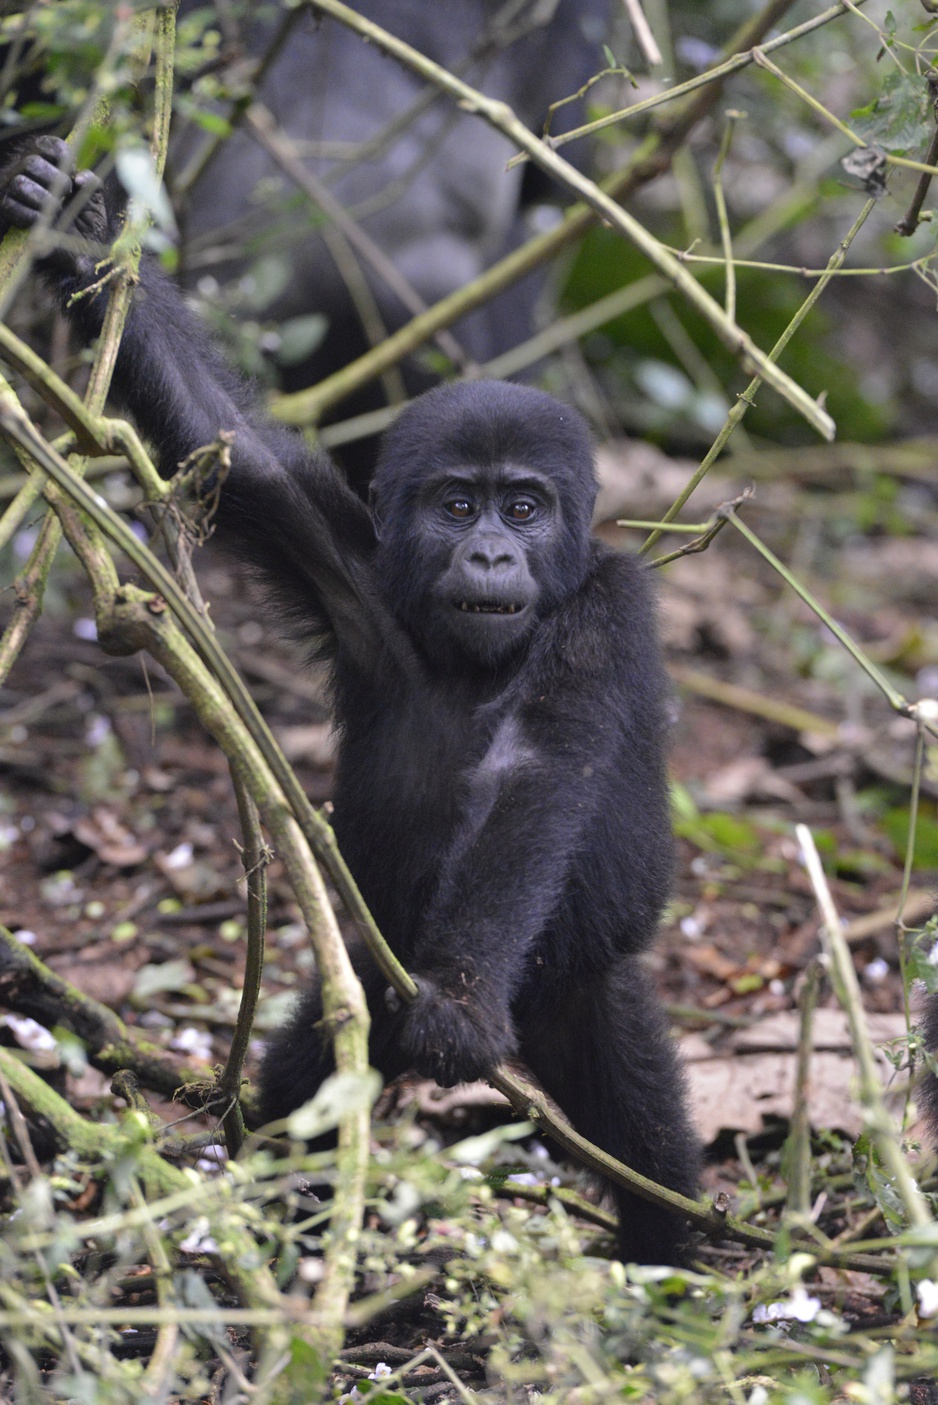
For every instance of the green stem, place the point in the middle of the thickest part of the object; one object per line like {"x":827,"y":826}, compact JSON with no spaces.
{"x":255,"y":857}
{"x":847,"y":986}
{"x":718,"y":74}
{"x":726,"y":237}
{"x":500,"y":116}
{"x":747,"y":398}
{"x":895,"y":698}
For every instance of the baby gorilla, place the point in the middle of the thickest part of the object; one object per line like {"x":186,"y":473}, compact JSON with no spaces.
{"x":501,"y":796}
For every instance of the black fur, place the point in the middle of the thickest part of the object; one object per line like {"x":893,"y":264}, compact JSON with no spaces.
{"x":501,"y":795}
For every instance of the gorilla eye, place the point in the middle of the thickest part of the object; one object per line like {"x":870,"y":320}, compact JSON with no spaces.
{"x":520,"y":511}
{"x":459,"y":507}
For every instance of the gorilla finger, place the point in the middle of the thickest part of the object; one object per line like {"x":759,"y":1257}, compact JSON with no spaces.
{"x":392,"y":1001}
{"x":26,"y":196}
{"x":46,"y":174}
{"x":88,"y":181}
{"x":58,"y":152}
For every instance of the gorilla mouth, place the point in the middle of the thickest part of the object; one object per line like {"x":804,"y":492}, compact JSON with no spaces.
{"x":485,"y":607}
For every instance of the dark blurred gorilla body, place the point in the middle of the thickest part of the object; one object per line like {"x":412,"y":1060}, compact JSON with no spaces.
{"x":434,"y":195}
{"x":424,"y":181}
{"x":501,"y":795}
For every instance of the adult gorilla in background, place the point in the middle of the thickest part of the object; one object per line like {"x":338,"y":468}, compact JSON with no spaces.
{"x":424,"y":181}
{"x":501,"y":794}
{"x":429,"y":187}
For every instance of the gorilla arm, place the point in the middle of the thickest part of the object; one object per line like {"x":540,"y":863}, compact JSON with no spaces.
{"x":282,"y":509}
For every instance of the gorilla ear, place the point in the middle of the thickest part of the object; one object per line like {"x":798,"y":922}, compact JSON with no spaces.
{"x":374,"y":507}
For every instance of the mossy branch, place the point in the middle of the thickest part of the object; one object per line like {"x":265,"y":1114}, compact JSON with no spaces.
{"x":31,"y":987}
{"x":129,"y":619}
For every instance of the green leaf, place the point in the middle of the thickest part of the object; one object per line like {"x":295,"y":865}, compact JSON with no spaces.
{"x":305,"y":1374}
{"x":136,"y":173}
{"x":895,"y":823}
{"x":155,"y":979}
{"x":899,"y":119}
{"x":472,"y":1150}
{"x":267,"y":279}
{"x":214,"y":123}
{"x":299,"y":337}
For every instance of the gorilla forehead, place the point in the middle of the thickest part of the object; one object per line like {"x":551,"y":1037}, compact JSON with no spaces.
{"x":489,"y":423}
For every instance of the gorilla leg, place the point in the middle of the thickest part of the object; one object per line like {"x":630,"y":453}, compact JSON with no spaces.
{"x":601,"y":1050}
{"x":299,"y":1056}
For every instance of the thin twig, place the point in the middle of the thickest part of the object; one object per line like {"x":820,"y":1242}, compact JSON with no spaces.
{"x":747,"y":397}
{"x":726,"y":238}
{"x":500,"y":116}
{"x":718,"y":74}
{"x":643,"y":35}
{"x":797,"y":1154}
{"x":653,"y":157}
{"x":255,"y":856}
{"x":847,"y":987}
{"x":893,"y":696}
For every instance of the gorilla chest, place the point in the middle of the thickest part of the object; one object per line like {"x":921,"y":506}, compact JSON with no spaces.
{"x":401,"y":790}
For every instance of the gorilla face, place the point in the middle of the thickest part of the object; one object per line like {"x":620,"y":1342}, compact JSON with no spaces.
{"x":483,"y":541}
{"x":481,"y":505}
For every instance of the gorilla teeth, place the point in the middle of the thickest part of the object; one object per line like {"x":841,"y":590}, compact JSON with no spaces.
{"x":488,"y":609}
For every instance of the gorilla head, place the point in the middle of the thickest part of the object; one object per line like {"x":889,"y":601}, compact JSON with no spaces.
{"x":482,"y":502}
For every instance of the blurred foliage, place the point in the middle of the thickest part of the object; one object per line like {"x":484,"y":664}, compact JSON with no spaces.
{"x":676,"y":412}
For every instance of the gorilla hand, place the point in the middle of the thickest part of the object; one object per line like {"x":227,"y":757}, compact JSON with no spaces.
{"x":454,"y":1039}
{"x":39,"y":184}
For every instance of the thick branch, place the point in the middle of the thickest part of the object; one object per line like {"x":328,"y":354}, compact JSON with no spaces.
{"x":28,"y":986}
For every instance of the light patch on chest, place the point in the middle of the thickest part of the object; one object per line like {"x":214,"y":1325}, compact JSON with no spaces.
{"x":508,"y":751}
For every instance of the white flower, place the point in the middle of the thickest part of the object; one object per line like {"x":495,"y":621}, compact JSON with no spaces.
{"x":97,"y":731}
{"x":179,"y":857}
{"x":798,"y":1308}
{"x":30,"y":1034}
{"x":213,"y":1158}
{"x":927,"y":1293}
{"x":876,"y":970}
{"x":198,"y":1240}
{"x":190,"y":1040}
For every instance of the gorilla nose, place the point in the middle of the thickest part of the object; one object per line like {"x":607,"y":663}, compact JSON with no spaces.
{"x":489,"y":555}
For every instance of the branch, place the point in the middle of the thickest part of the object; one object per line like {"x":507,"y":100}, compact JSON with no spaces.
{"x":652,"y":159}
{"x":847,"y":987}
{"x":29,"y":986}
{"x":747,"y":397}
